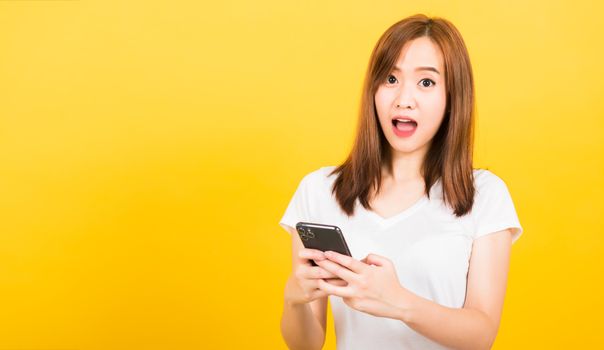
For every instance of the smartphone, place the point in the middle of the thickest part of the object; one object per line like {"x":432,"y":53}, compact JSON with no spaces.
{"x":322,"y":237}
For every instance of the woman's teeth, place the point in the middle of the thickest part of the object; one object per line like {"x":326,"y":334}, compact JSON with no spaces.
{"x":404,"y":125}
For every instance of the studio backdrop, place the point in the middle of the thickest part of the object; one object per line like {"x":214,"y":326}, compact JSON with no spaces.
{"x":148,"y":150}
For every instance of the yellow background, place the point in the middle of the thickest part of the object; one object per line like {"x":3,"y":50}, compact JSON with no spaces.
{"x":148,"y":151}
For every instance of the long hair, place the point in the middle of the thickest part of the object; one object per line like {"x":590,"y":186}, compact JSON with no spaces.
{"x":449,"y":157}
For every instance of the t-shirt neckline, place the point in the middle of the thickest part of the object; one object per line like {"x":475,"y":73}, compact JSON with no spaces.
{"x":386,"y":222}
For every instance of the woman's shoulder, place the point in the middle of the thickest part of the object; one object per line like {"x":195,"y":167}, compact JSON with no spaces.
{"x":320,"y":178}
{"x":322,"y":174}
{"x":482,"y":176}
{"x":486,"y":180}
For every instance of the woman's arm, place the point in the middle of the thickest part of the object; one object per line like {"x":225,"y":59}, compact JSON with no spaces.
{"x":374,"y":288}
{"x":474,"y":326}
{"x":302,"y":324}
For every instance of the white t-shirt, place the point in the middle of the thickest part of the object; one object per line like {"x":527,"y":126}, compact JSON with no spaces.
{"x":429,"y":246}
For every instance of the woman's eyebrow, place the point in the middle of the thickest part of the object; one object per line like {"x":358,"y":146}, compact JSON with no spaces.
{"x":421,"y":68}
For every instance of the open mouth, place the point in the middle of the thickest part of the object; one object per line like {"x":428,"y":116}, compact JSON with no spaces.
{"x":404,"y":124}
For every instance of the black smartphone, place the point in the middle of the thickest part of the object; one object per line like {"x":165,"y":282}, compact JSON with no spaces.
{"x":322,"y":237}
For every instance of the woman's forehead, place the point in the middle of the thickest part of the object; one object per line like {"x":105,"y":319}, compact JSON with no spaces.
{"x":420,"y":53}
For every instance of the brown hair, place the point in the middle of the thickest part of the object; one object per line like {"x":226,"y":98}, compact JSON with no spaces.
{"x":449,"y":157}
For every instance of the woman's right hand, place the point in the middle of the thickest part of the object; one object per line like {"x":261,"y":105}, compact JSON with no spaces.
{"x":303,"y":284}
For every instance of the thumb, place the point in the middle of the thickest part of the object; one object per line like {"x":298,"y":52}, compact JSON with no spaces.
{"x":374,"y":259}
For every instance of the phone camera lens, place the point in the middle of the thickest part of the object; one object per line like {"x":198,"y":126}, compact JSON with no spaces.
{"x":304,"y":234}
{"x":310,"y":234}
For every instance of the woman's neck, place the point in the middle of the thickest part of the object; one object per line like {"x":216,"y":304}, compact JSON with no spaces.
{"x":405,"y":167}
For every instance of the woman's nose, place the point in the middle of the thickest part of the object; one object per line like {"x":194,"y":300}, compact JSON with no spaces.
{"x":405,"y":98}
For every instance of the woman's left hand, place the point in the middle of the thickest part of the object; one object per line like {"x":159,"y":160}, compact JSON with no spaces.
{"x":373,"y":286}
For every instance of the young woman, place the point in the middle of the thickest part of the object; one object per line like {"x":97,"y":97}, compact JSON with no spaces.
{"x":430,"y":236}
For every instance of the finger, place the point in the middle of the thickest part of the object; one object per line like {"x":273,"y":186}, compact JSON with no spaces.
{"x":340,"y":291}
{"x":311,"y":254}
{"x":345,"y":260}
{"x":338,"y":270}
{"x":336,"y":282}
{"x":318,"y":272}
{"x":374,"y":259}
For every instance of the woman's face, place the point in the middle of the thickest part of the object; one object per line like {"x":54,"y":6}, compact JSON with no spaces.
{"x":419,"y":93}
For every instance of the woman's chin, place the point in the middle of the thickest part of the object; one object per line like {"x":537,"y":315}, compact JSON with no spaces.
{"x":407,"y":147}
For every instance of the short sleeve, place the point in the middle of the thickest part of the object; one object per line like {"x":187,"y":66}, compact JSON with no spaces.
{"x":494,"y":209}
{"x":298,"y":208}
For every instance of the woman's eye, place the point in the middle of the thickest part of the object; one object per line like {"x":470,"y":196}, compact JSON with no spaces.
{"x":392,"y":79}
{"x":424,"y":80}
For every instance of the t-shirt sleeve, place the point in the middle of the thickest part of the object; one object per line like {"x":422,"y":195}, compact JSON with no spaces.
{"x":298,"y":208}
{"x":494,"y":209}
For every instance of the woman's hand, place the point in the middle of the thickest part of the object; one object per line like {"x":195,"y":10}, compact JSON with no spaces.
{"x":303,"y":284}
{"x":373,"y":286}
